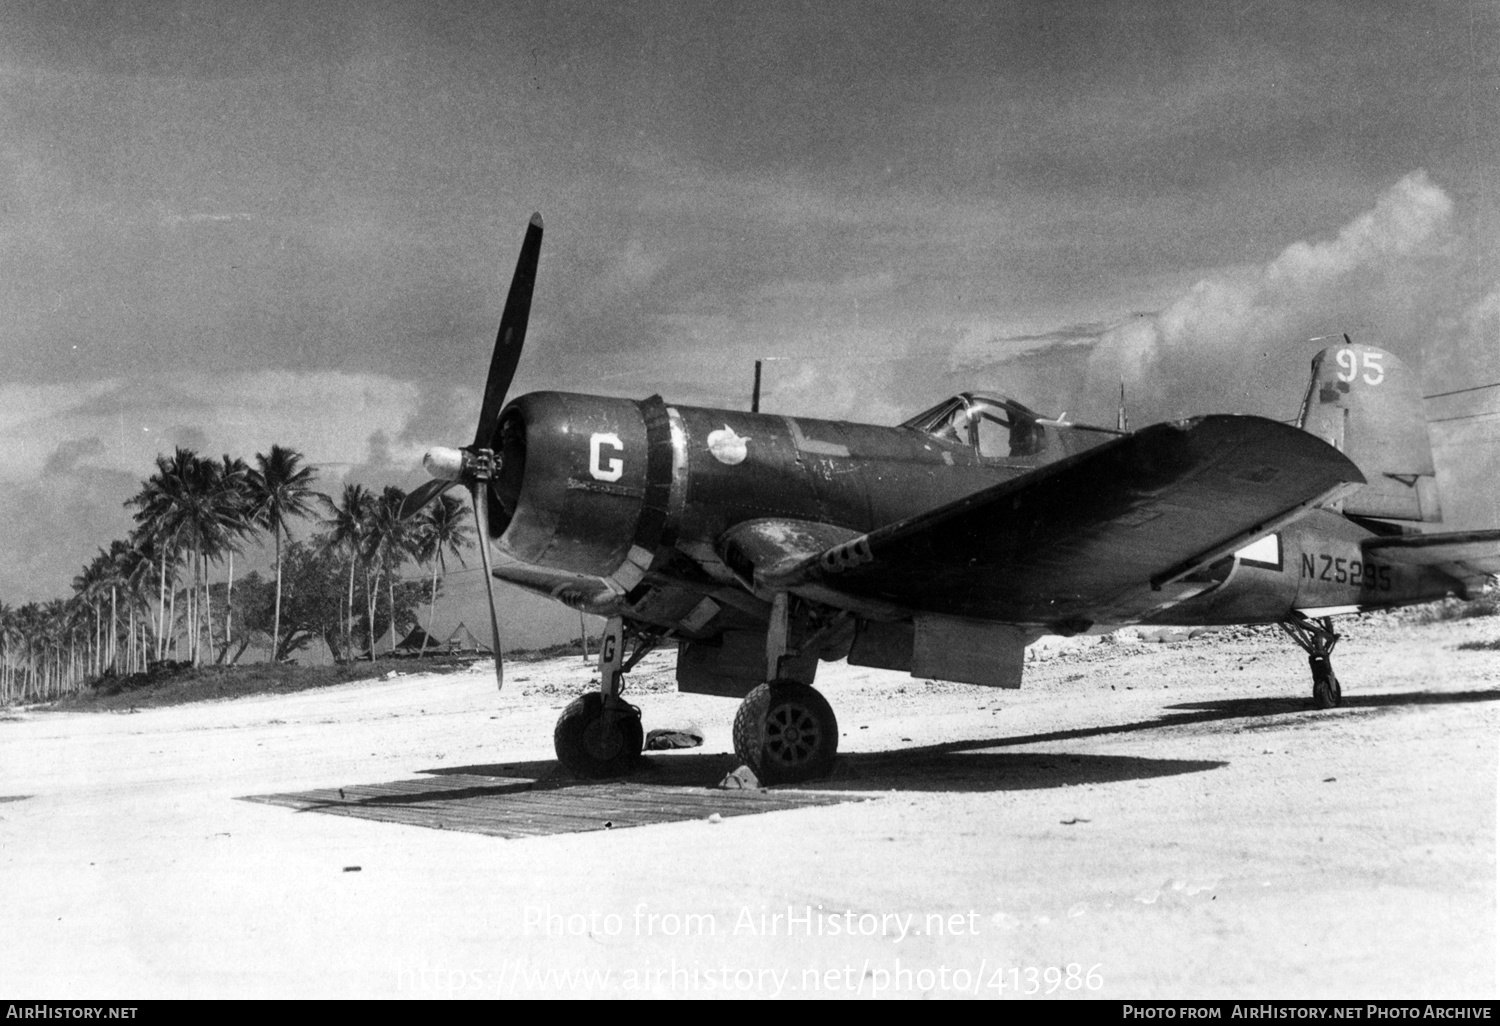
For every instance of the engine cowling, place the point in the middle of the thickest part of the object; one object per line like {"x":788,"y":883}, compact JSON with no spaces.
{"x":575,"y":489}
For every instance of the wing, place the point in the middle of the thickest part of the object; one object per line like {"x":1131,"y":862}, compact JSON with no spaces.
{"x":689,"y":607}
{"x":1470,"y":556}
{"x":756,"y":550}
{"x":1102,"y":536}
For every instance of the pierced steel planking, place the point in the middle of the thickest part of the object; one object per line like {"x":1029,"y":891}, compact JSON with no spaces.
{"x":515,"y":807}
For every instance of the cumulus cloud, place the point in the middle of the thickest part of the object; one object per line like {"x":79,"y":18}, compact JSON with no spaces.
{"x":1466,"y":347}
{"x":66,"y":457}
{"x":70,"y":455}
{"x":196,"y":219}
{"x":54,"y":524}
{"x":1466,"y":444}
{"x":328,"y":416}
{"x":1240,"y":339}
{"x":1401,"y":275}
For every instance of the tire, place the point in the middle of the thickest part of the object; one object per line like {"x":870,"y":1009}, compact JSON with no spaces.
{"x":1327,"y":694}
{"x":786,"y":733}
{"x":594,"y":744}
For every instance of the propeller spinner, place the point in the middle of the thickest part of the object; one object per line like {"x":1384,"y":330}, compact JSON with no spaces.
{"x":475,"y":465}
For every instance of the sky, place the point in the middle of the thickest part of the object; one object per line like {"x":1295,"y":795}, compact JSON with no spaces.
{"x":230,"y":225}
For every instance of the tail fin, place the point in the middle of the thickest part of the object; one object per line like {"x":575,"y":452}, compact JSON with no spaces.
{"x":1368,"y":405}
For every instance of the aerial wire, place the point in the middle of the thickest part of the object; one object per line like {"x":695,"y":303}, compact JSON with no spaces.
{"x":1467,"y":416}
{"x":1461,"y":391}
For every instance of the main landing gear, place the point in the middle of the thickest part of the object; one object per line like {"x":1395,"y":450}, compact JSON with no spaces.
{"x":785,"y":731}
{"x":599,"y":734}
{"x":1317,"y":638}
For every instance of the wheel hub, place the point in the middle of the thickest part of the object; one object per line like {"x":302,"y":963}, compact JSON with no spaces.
{"x":792,"y":734}
{"x":602,"y":739}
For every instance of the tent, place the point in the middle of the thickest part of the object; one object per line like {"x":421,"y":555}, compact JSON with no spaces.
{"x":462,"y":640}
{"x":385,"y":644}
{"x":418,"y":641}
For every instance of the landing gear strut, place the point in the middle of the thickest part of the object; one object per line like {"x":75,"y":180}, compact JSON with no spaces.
{"x":785,"y":731}
{"x":1317,"y":638}
{"x":599,"y":734}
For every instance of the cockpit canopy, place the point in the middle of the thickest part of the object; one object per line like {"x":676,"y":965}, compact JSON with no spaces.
{"x":993,"y":426}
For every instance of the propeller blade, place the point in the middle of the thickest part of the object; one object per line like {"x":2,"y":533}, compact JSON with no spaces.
{"x":480,"y":493}
{"x":512,"y":334}
{"x":418,"y":498}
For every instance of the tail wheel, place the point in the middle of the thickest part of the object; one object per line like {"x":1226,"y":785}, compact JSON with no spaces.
{"x":1317,"y":638}
{"x":594,"y":742}
{"x":786,"y":733}
{"x":1326,"y":691}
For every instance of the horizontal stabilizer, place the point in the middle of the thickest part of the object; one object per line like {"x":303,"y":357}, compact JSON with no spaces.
{"x":1470,"y":556}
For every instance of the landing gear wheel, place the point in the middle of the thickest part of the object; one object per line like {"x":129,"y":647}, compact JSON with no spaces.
{"x":786,"y":733}
{"x":594,"y":742}
{"x":1317,"y":638}
{"x":1326,"y":691}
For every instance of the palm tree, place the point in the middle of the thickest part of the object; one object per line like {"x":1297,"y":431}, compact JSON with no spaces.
{"x":8,"y":639}
{"x":89,"y":587}
{"x":57,"y":631}
{"x":115,"y":573}
{"x":348,"y":525}
{"x":184,"y":506}
{"x":440,"y":529}
{"x":159,"y":550}
{"x":280,"y":489}
{"x":138,"y":565}
{"x":160,"y":523}
{"x":68,"y":623}
{"x":147,"y":564}
{"x":236,"y":499}
{"x":26,"y":626}
{"x":104,"y":575}
{"x":392,"y":538}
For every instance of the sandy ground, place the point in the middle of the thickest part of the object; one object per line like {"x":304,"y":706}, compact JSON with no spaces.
{"x":1167,"y":820}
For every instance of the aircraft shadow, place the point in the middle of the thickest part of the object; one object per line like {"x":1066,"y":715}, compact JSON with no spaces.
{"x":1229,"y":709}
{"x":962,"y":766}
{"x":452,"y":794}
{"x":1274,"y":706}
{"x":975,"y":765}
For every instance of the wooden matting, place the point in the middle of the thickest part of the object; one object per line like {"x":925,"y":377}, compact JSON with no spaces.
{"x":516,"y":807}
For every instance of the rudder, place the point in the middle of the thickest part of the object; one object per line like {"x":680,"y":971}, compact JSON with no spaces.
{"x":1368,"y":405}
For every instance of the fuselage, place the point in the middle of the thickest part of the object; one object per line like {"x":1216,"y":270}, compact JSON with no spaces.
{"x":1317,"y":565}
{"x":587,"y":477}
{"x":619,"y":489}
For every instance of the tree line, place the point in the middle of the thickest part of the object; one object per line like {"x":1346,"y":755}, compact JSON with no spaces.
{"x":147,"y":599}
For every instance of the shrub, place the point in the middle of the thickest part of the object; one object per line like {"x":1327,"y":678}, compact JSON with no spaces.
{"x":1485,"y":603}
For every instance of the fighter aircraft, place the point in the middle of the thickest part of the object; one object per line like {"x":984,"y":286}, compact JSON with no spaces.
{"x":762,"y":544}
